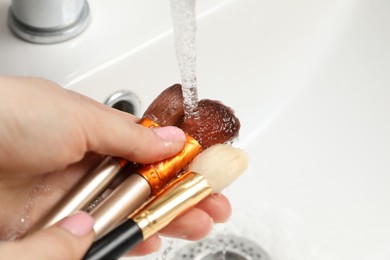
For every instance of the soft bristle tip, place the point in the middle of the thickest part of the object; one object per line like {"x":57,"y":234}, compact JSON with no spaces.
{"x":220,"y":164}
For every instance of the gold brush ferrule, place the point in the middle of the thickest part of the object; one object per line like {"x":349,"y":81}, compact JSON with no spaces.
{"x":181,"y":195}
{"x":161,"y":173}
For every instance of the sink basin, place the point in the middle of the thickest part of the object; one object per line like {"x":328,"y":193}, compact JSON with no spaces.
{"x":309,"y":81}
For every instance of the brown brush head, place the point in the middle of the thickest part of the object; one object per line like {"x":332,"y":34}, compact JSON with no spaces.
{"x":216,"y":124}
{"x":167,"y":108}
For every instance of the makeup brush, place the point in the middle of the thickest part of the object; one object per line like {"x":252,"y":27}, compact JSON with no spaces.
{"x":88,"y":188}
{"x":99,"y":178}
{"x":167,"y":108}
{"x":211,"y":171}
{"x":140,"y":184}
{"x":216,"y":124}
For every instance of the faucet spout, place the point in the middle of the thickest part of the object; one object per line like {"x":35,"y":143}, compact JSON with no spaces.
{"x":43,"y":21}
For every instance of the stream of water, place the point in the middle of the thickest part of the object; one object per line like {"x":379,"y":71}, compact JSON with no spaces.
{"x":184,"y":25}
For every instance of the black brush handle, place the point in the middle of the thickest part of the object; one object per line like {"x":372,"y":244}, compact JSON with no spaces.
{"x":116,"y":243}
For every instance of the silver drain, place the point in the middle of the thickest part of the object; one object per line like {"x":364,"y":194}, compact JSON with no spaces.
{"x":125,"y":101}
{"x":223,"y":247}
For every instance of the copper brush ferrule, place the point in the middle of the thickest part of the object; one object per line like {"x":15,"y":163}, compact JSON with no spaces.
{"x":159,"y":174}
{"x":140,"y":185}
{"x":85,"y":192}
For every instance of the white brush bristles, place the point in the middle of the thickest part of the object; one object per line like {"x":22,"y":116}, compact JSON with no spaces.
{"x":220,"y":164}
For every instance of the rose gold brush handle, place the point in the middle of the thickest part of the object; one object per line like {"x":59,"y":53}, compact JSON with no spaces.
{"x":125,"y":198}
{"x":85,"y":192}
{"x":89,"y":188}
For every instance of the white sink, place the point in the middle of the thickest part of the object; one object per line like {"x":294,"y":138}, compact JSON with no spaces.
{"x":310,"y":82}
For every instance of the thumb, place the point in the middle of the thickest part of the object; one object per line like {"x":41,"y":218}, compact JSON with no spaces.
{"x":69,"y":239}
{"x":112,"y":132}
{"x":109,"y":131}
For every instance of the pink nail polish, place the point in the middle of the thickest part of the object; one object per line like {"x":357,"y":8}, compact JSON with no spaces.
{"x":170,"y":133}
{"x":79,"y":224}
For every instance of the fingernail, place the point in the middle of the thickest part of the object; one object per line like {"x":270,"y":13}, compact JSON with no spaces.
{"x":170,"y":133}
{"x":78,"y":224}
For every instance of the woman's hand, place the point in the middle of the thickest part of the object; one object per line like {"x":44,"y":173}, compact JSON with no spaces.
{"x":49,"y":138}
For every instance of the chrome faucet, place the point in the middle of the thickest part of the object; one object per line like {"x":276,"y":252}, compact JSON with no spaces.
{"x":48,"y":21}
